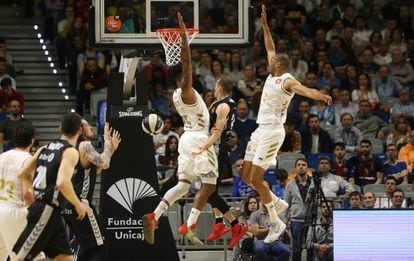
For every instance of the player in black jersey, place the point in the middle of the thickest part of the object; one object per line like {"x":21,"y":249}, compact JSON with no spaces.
{"x":88,"y":230}
{"x":221,"y":123}
{"x":53,"y":166}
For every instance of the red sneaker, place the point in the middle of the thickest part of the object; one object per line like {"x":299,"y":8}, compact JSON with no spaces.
{"x":219,"y":230}
{"x":190,"y":234}
{"x":149,"y":226}
{"x":237,"y":233}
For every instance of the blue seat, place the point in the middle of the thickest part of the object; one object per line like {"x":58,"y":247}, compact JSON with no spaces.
{"x":314,"y":158}
{"x":270,"y":175}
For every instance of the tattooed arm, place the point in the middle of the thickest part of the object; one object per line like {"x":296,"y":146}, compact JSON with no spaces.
{"x":89,"y":155}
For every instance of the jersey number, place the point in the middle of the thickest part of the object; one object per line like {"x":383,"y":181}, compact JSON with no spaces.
{"x":40,"y":180}
{"x":8,"y":187}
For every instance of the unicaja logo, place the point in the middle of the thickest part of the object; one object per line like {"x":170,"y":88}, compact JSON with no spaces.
{"x":127,"y":191}
{"x":129,"y":113}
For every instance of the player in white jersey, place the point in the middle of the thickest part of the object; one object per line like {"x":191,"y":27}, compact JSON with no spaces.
{"x":13,"y":212}
{"x":265,"y":141}
{"x":195,"y":115}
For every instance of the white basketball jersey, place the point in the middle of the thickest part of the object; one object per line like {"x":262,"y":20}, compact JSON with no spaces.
{"x":195,"y":116}
{"x":275,"y":100}
{"x":10,"y":164}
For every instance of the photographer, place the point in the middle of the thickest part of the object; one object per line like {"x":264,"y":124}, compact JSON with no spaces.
{"x":320,"y":238}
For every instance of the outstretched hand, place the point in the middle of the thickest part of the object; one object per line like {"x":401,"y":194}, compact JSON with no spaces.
{"x":182,"y":27}
{"x":327,"y":99}
{"x":264,"y":15}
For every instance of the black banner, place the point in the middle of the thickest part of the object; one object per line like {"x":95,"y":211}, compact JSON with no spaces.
{"x":129,"y":190}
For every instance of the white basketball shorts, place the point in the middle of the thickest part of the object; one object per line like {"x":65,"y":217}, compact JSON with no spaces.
{"x":264,"y":144}
{"x":204,"y":165}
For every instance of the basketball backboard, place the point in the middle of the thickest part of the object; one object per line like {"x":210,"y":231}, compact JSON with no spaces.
{"x":132,"y":24}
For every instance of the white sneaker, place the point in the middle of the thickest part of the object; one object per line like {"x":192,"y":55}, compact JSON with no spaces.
{"x":275,"y":230}
{"x":280,"y":206}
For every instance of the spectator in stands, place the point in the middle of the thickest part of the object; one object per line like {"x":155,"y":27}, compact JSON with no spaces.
{"x":361,"y":33}
{"x":385,"y":201}
{"x":245,"y":245}
{"x":240,"y":189}
{"x":367,"y":65}
{"x":344,"y":105}
{"x":314,"y":139}
{"x":309,"y":57}
{"x":89,"y":52}
{"x":355,"y":200}
{"x":350,"y":82}
{"x":248,"y":85}
{"x":161,"y":139}
{"x":331,"y":184}
{"x":400,"y":134}
{"x":296,"y":193}
{"x":253,"y":55}
{"x":394,"y":167}
{"x":155,"y":62}
{"x":297,"y":67}
{"x":369,"y":200}
{"x":301,"y":167}
{"x":337,"y":56}
{"x":320,"y":238}
{"x":170,"y":157}
{"x":320,"y":43}
{"x":64,"y":26}
{"x":376,"y":21}
{"x":397,"y":199}
{"x":292,"y":141}
{"x":3,"y":73}
{"x":335,"y":30}
{"x":92,"y":79}
{"x":364,"y":168}
{"x":243,"y":126}
{"x":208,"y":97}
{"x":365,"y":91}
{"x":325,"y":112}
{"x":348,"y":134}
{"x":383,"y":57}
{"x":236,"y":149}
{"x":281,"y":178}
{"x":7,"y":94}
{"x":397,"y":40}
{"x":8,"y":126}
{"x":339,"y":165}
{"x":205,"y":65}
{"x":374,"y":42}
{"x":368,"y":123}
{"x":235,"y":70}
{"x":391,"y":25}
{"x":258,"y":223}
{"x":404,"y":107}
{"x":327,"y":79}
{"x":401,"y":70}
{"x":217,"y":72}
{"x":385,"y":84}
{"x":10,"y":67}
{"x":406,"y":153}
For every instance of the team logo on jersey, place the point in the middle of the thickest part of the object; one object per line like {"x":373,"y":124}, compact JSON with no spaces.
{"x":278,"y":81}
{"x":127,"y":191}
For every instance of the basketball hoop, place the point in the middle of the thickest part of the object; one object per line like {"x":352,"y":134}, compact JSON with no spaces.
{"x":171,"y":41}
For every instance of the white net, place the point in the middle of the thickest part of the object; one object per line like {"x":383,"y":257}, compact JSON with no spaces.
{"x":171,"y":41}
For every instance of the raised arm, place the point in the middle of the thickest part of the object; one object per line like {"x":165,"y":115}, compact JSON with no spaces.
{"x":295,"y":86}
{"x":187,"y":93}
{"x":88,"y":153}
{"x":268,"y":40}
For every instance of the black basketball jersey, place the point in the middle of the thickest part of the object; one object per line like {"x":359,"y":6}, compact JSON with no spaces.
{"x":84,"y":181}
{"x":225,"y":135}
{"x":48,"y":163}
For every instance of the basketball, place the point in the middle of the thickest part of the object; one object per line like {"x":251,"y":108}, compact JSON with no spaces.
{"x":113,"y":23}
{"x":152,"y":124}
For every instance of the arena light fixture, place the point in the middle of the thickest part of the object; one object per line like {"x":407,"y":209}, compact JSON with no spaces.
{"x":36,"y":27}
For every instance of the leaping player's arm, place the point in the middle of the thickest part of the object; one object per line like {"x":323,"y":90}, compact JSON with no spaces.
{"x":67,"y":166}
{"x":222,"y":112}
{"x":26,"y":177}
{"x":295,"y":86}
{"x":187,"y":91}
{"x":268,"y":40}
{"x":88,"y":154}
